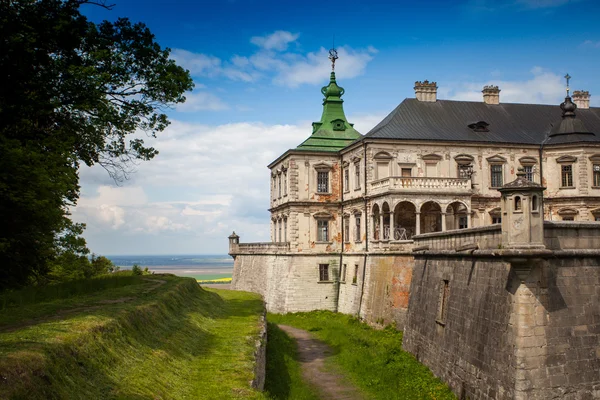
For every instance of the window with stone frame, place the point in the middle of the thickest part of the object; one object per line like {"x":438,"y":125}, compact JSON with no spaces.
{"x":355,"y":277}
{"x":343,"y":274}
{"x":596,"y":175}
{"x":346,"y":180}
{"x":279,"y":184}
{"x":496,"y":178}
{"x":280,"y":226}
{"x":324,"y":272}
{"x":443,"y":302}
{"x":357,"y":175}
{"x":464,"y":165}
{"x":357,"y":232}
{"x":382,"y":162}
{"x":496,"y":215}
{"x":346,"y":229}
{"x":285,"y":229}
{"x":322,"y":181}
{"x":528,"y":163}
{"x":406,"y":172}
{"x":322,"y":230}
{"x":566,"y":175}
{"x":285,"y":183}
{"x":274,"y":187}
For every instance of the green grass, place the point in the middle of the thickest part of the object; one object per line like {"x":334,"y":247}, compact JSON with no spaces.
{"x":207,"y":277}
{"x":284,"y":379}
{"x":372,"y":359}
{"x":177,"y":341}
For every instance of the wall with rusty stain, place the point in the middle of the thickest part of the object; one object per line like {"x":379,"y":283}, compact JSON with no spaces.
{"x":387,"y":289}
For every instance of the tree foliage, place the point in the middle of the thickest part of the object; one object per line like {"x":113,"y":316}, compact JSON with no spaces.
{"x":73,"y":92}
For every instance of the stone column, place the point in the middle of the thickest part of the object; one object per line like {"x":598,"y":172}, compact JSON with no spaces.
{"x":417,"y":223}
{"x":443,"y":222}
{"x":392,"y":226}
{"x":469,"y":219}
{"x":381,"y":226}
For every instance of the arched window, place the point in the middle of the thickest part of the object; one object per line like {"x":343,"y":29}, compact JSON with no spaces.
{"x":517,"y":203}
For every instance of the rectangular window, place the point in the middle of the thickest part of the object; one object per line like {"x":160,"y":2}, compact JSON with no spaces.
{"x":596,"y":169}
{"x":347,"y":229}
{"x":344,"y":273}
{"x":322,"y":182}
{"x":406,"y":172}
{"x":462,"y":222}
{"x":443,"y":302}
{"x":323,"y":272}
{"x":285,"y":183}
{"x":566,"y":175}
{"x":322,"y":230}
{"x":285,"y":230}
{"x":465,"y":171}
{"x":528,"y":169}
{"x":355,"y":277}
{"x":496,"y":220}
{"x":357,"y":175}
{"x":346,"y":179}
{"x":357,"y":232}
{"x":279,"y":182}
{"x":280,"y":231}
{"x":496,"y":175}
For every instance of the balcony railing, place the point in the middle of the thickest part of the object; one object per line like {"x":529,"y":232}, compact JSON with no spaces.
{"x":421,"y":184}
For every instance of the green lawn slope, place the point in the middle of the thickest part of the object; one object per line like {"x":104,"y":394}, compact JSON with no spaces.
{"x":126,"y":337}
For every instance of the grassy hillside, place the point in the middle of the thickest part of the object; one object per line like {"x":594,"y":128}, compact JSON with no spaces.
{"x":126,"y":337}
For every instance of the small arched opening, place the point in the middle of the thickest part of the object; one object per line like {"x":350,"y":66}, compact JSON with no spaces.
{"x":431,"y":217}
{"x":405,"y":220}
{"x":456,"y":216}
{"x":375,"y":217}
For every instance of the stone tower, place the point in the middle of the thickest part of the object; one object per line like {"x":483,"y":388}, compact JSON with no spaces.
{"x":522,"y":214}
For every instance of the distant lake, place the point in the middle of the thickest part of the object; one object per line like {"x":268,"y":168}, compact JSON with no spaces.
{"x":198,"y":266}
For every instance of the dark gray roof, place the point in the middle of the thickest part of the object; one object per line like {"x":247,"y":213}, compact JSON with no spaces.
{"x":448,"y":120}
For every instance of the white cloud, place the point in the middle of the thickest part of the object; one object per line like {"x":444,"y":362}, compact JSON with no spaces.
{"x":278,"y":40}
{"x":199,"y":101}
{"x":272,"y":61}
{"x":206,"y":182}
{"x":544,"y":87}
{"x":590,"y":44}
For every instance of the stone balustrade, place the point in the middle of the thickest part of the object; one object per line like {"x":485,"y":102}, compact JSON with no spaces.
{"x":424,"y":184}
{"x":259,"y":248}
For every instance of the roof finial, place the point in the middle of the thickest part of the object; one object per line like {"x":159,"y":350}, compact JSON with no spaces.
{"x":568,"y":78}
{"x":333,"y":55}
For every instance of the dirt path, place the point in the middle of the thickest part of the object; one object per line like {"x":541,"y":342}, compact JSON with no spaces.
{"x":312,"y":354}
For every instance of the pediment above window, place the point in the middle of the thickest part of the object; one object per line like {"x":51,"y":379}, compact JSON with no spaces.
{"x":324,"y":167}
{"x":495,"y":211}
{"x":382,"y":155}
{"x":464,"y":159}
{"x":528,"y":160}
{"x":567,"y":212}
{"x":432,"y":157}
{"x":595,"y":158}
{"x":496,"y":159}
{"x":345,"y":164}
{"x":595,"y":212}
{"x":566,"y":159}
{"x":322,"y":215}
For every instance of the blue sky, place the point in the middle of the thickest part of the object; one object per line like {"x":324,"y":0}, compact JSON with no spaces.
{"x":258,"y":68}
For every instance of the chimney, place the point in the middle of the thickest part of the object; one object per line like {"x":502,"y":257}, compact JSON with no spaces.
{"x":582,"y":99}
{"x":491,"y":94}
{"x":425,"y":91}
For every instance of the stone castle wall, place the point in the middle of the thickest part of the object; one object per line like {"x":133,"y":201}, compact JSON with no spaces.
{"x":505,"y":335}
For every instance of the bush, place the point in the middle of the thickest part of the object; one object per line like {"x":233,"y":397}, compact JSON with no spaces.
{"x":137,"y":270}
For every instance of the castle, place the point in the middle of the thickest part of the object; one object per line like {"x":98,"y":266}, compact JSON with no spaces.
{"x":386,"y":225}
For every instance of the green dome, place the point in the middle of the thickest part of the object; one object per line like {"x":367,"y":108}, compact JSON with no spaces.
{"x":333,"y":132}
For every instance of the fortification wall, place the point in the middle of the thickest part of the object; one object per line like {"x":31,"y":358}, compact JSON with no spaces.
{"x":506,"y":324}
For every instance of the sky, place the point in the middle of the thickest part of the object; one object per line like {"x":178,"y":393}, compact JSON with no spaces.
{"x":258,"y":67}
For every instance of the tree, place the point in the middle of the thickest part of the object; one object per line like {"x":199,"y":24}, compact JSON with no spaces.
{"x":73,"y":92}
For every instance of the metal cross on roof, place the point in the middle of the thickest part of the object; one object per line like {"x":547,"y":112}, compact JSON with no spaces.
{"x":568,"y":78}
{"x":333,"y":55}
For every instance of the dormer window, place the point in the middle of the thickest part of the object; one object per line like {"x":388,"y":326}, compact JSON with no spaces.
{"x":338,"y":125}
{"x":479,"y":126}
